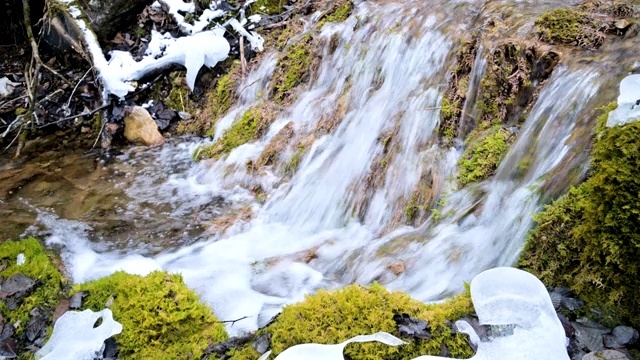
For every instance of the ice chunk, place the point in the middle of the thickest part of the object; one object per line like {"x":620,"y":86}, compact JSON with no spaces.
{"x":628,"y":109}
{"x":20,"y":259}
{"x":504,"y":296}
{"x":332,"y":352}
{"x":74,"y":336}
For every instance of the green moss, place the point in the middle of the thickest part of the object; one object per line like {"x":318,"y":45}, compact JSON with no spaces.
{"x":269,"y":7}
{"x":219,"y":101}
{"x":482,"y":157}
{"x":241,"y":132}
{"x":569,"y":26}
{"x":38,"y":265}
{"x":295,"y":160}
{"x":179,"y":97}
{"x":337,"y":15}
{"x":293,"y":68}
{"x":330,"y":317}
{"x":589,"y":239}
{"x":160,"y":316}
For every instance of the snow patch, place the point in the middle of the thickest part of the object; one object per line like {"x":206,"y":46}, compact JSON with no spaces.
{"x":74,"y":336}
{"x":628,"y":108}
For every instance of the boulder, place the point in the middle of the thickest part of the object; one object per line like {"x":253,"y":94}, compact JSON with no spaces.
{"x":140,"y":128}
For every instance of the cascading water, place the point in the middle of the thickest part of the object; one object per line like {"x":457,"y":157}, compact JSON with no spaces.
{"x":389,"y":63}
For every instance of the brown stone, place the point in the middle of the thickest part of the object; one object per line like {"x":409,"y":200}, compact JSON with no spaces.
{"x":62,"y":308}
{"x":396,"y":267}
{"x":139,"y":128}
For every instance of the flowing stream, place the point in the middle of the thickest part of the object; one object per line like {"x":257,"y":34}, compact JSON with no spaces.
{"x":325,"y":226}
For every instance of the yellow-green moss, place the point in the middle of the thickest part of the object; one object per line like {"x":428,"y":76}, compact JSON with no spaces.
{"x":48,"y":290}
{"x":589,"y":239}
{"x":293,"y":68}
{"x":295,"y":160}
{"x":218,"y":102}
{"x":337,"y":15}
{"x":330,"y":317}
{"x":482,"y":157}
{"x":160,"y":316}
{"x":269,"y":7}
{"x":179,"y":97}
{"x":241,"y":132}
{"x":569,"y":26}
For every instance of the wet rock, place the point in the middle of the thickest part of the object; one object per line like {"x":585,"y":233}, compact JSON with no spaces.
{"x":590,"y":334}
{"x":410,"y":327}
{"x":606,"y":355}
{"x":621,"y":336}
{"x":76,"y":300}
{"x":36,"y":331}
{"x":110,"y":349}
{"x":140,"y":128}
{"x":262,"y":343}
{"x":621,"y":24}
{"x":396,"y":267}
{"x":62,"y":308}
{"x":222,"y":348}
{"x":15,"y":284}
{"x":565,"y":299}
{"x":8,"y":345}
{"x":569,"y":331}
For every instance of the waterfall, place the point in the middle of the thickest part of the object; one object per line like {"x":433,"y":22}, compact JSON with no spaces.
{"x":329,"y":224}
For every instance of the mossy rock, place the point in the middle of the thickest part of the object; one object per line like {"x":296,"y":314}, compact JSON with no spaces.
{"x":482,"y":157}
{"x":38,"y":265}
{"x":572,"y":27}
{"x":293,"y":68}
{"x":589,"y":239}
{"x":268,"y":7}
{"x":161,"y":317}
{"x":218,"y":102}
{"x":331,"y":317}
{"x":339,"y":13}
{"x":253,"y":123}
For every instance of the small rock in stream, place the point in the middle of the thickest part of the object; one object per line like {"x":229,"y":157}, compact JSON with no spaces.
{"x":410,"y":327}
{"x":140,"y":128}
{"x":76,"y":300}
{"x":262,"y":343}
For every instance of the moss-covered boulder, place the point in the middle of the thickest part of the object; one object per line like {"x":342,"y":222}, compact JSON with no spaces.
{"x":251,"y":126}
{"x":483,"y":155}
{"x":330,"y":317}
{"x":589,"y":239}
{"x":45,"y":294}
{"x":161,"y":317}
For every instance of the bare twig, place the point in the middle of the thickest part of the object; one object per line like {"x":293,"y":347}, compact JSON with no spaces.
{"x":243,"y":61}
{"x":14,"y":139}
{"x":90,"y":113}
{"x":98,"y":137}
{"x":76,"y":87}
{"x":232,"y":321}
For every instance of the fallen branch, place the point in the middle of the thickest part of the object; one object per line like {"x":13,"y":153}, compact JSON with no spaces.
{"x":232,"y":321}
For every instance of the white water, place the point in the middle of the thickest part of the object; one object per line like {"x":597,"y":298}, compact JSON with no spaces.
{"x":255,"y":267}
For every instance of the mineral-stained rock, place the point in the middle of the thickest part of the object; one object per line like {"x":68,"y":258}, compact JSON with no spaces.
{"x":606,"y":355}
{"x":140,"y":128}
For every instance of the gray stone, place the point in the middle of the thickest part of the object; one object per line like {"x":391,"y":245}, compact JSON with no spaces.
{"x":625,"y":335}
{"x":606,"y":355}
